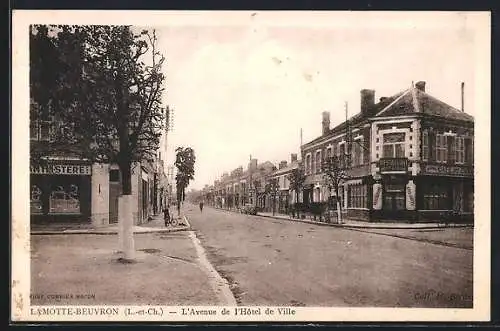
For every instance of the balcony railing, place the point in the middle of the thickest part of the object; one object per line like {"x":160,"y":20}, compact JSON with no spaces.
{"x":389,"y":164}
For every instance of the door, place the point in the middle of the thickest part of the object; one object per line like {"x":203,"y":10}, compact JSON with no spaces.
{"x":114,"y":192}
{"x":394,"y":199}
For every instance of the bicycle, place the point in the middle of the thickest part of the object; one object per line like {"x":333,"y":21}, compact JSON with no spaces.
{"x":171,"y":221}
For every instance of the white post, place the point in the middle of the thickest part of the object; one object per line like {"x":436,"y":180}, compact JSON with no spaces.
{"x":339,"y":215}
{"x":126,"y":227}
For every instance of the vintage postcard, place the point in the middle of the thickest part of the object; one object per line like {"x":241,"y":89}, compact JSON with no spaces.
{"x":250,"y":166}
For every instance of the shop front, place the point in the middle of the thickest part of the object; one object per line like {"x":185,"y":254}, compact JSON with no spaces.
{"x":445,"y":193}
{"x":394,"y":192}
{"x":61,"y":192}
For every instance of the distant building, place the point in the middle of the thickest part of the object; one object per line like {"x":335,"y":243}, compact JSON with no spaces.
{"x":285,"y":196}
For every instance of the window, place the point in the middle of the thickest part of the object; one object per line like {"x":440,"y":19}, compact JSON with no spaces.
{"x":36,"y":200}
{"x":441,"y":148}
{"x":114,"y":175}
{"x":459,"y":150}
{"x":318,"y":162}
{"x":328,"y":152}
{"x":64,"y":198}
{"x":469,"y":152}
{"x":308,"y":164}
{"x":357,"y":196}
{"x":425,"y":146}
{"x":394,"y":145}
{"x":341,"y":155}
{"x":357,"y":156}
{"x":435,"y":197}
{"x":41,"y":130}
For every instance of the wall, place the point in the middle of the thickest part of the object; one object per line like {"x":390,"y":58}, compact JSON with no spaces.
{"x":100,"y":194}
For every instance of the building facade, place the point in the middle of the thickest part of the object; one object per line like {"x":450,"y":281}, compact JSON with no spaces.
{"x":410,"y":158}
{"x":66,"y":188}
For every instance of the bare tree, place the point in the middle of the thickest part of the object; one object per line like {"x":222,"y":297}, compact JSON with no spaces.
{"x":297,"y":178}
{"x":335,"y":174}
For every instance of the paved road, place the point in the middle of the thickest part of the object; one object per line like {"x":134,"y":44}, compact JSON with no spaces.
{"x":275,"y":262}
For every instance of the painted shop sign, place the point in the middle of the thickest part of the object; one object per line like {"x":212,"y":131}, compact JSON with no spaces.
{"x":393,"y":164}
{"x":62,"y":169}
{"x":446,"y":170}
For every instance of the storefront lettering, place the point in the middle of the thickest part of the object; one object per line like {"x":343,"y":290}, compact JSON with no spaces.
{"x":433,"y":169}
{"x":376,"y":196}
{"x":62,"y":169}
{"x":393,"y":164}
{"x":410,"y":196}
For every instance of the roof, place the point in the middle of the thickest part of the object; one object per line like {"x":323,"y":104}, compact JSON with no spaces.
{"x":414,"y":101}
{"x":406,"y":102}
{"x":286,"y":169}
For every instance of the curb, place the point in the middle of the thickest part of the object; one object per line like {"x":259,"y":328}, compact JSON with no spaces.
{"x":113,"y":232}
{"x":352,"y":226}
{"x":385,"y":227}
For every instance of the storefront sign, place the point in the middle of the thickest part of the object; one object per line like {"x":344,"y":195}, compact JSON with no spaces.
{"x":377,"y":196}
{"x":393,"y":164}
{"x":446,"y":170}
{"x":62,"y":169}
{"x":410,"y":195}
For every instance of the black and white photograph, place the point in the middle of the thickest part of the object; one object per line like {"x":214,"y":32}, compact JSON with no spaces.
{"x":250,"y":166}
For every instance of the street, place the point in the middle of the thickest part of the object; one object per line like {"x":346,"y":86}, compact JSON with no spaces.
{"x":276,"y":262}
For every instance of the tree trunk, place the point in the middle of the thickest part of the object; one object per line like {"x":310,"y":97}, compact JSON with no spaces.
{"x":125,"y":214}
{"x":339,"y":206}
{"x":274,"y":204}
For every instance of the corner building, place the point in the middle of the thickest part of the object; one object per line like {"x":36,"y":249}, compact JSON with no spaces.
{"x":412,"y":159}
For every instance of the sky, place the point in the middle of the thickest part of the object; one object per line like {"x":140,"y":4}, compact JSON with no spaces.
{"x":247,"y":85}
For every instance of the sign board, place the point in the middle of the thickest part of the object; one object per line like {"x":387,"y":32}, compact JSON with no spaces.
{"x":62,"y":169}
{"x":447,"y":170}
{"x":393,"y":164}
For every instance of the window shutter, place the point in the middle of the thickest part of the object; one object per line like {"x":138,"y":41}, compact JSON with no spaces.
{"x":468,"y":151}
{"x":451,"y":149}
{"x":432,"y":146}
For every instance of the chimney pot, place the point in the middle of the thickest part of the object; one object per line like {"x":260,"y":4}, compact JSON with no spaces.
{"x":420,"y":86}
{"x":367,"y":100}
{"x":326,"y":122}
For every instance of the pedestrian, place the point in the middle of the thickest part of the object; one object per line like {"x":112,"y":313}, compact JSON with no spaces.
{"x":166,"y":215}
{"x":201,"y":206}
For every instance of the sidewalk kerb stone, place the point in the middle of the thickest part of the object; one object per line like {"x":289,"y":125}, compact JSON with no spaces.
{"x":422,"y":226}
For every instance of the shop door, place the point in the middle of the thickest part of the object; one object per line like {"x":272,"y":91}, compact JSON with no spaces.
{"x":114,"y":193}
{"x":394,"y":199}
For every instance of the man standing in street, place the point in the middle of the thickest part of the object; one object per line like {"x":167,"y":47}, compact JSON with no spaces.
{"x":201,"y":206}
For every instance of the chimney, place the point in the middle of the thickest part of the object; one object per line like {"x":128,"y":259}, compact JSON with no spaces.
{"x":326,"y":122}
{"x":462,"y":92}
{"x":253,"y":164}
{"x":367,"y":100}
{"x":420,"y":86}
{"x":293,"y":157}
{"x":282,"y":164}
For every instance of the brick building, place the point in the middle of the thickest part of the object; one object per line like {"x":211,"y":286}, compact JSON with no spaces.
{"x":411,"y":158}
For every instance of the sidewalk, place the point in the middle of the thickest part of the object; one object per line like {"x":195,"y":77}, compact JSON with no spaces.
{"x":87,"y":270}
{"x":349,"y":223}
{"x":156,"y":225}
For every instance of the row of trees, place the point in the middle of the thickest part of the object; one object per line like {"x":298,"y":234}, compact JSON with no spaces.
{"x":103,"y":86}
{"x":334,"y":169}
